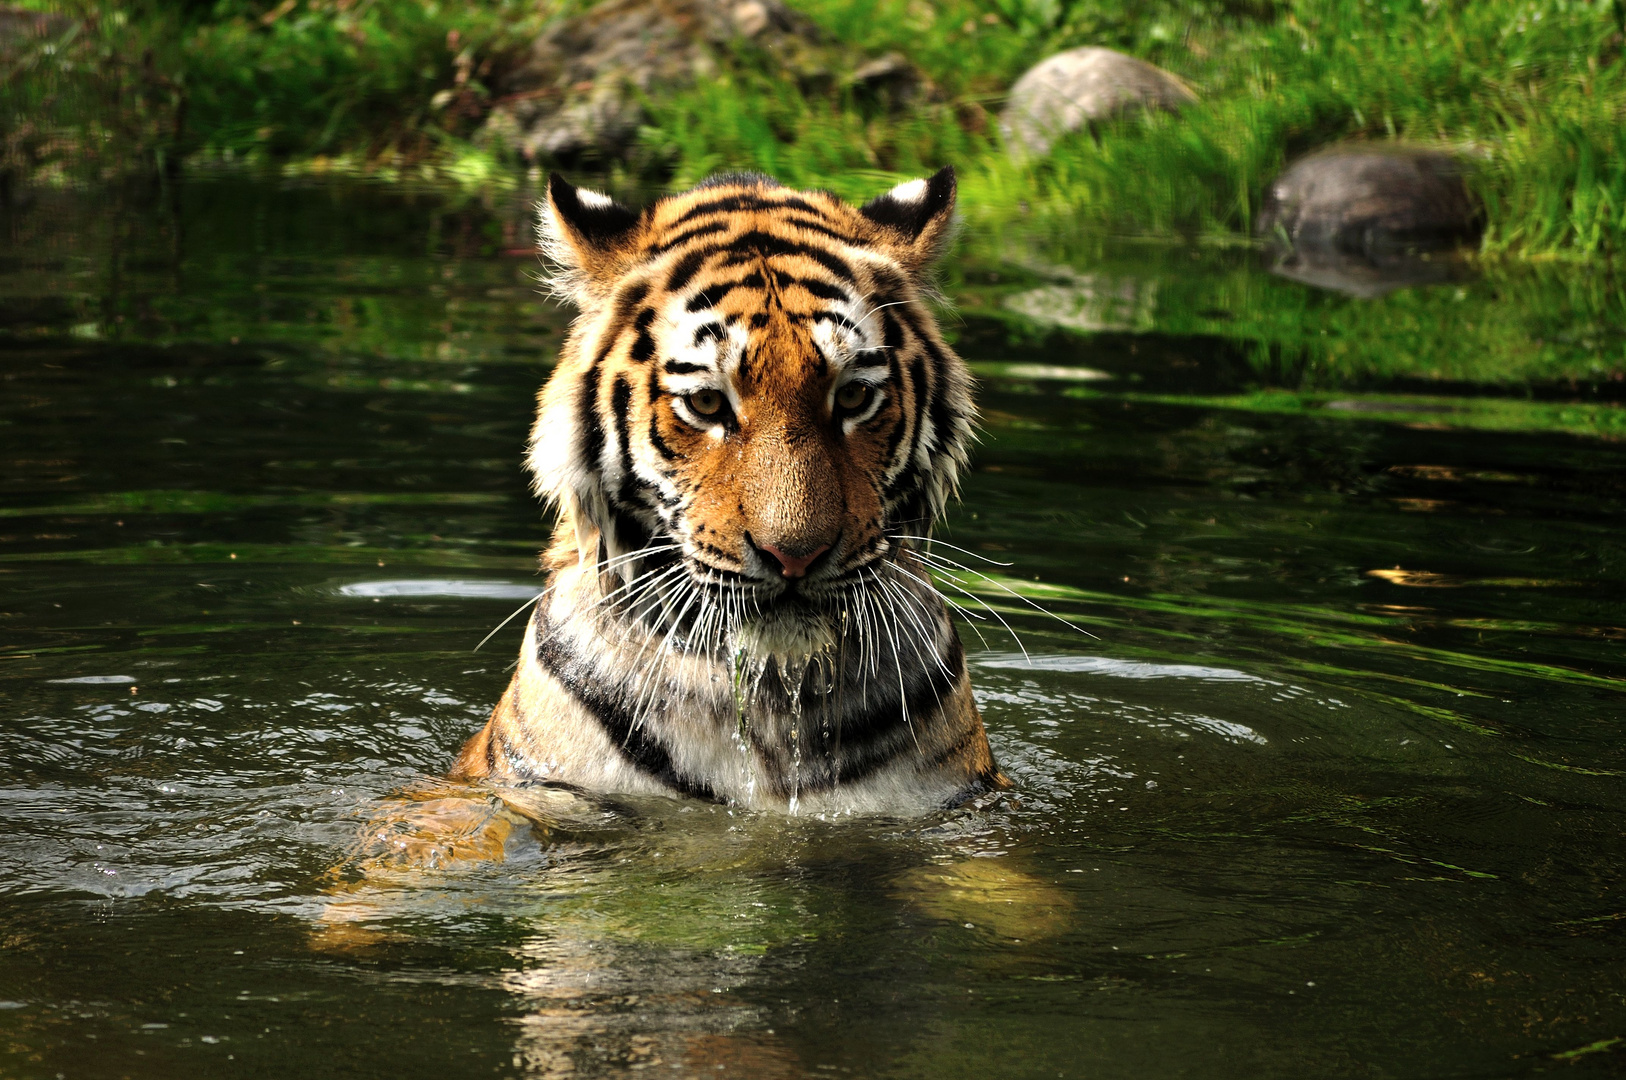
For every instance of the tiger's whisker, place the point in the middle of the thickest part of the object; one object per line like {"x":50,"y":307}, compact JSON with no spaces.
{"x":952,"y":564}
{"x":945,"y":543}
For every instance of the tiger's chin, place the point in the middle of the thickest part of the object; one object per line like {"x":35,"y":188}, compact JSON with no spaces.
{"x":790,"y":627}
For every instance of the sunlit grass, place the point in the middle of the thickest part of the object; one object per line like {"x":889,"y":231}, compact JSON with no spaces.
{"x":1531,"y":92}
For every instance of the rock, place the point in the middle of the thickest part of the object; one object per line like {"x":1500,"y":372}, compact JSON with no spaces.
{"x":1070,"y":90}
{"x":1371,"y":201}
{"x":579,"y":93}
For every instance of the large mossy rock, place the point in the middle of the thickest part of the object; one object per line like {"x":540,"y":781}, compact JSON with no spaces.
{"x":579,"y":95}
{"x":1371,"y":199}
{"x":1080,"y":87}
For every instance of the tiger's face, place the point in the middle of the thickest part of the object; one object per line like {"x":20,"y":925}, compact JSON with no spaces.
{"x":755,"y":391}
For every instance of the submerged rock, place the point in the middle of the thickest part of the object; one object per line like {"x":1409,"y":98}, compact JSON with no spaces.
{"x":1073,"y":89}
{"x":580,"y":92}
{"x":1371,"y":200}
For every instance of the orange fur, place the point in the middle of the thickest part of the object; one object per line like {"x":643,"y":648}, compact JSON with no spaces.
{"x":749,"y":421}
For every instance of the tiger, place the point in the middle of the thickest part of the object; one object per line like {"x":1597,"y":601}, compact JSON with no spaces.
{"x":752,"y":426}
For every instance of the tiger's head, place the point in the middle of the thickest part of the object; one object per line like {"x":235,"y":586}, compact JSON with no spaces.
{"x":755,"y":388}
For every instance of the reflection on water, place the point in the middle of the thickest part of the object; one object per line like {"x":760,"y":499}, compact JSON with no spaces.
{"x":1365,"y":274}
{"x":451,"y":589}
{"x":1335,"y":788}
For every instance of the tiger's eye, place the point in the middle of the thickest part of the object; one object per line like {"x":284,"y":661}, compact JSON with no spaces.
{"x":706,"y":402}
{"x":853,"y":397}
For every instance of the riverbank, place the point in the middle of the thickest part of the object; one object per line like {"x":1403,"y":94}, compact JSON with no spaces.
{"x":1530,"y":93}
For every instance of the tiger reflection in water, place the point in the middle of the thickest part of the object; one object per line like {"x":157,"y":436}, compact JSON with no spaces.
{"x":752,"y":427}
{"x":647,"y":932}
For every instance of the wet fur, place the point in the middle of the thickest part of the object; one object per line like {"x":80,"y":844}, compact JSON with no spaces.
{"x":676,"y":650}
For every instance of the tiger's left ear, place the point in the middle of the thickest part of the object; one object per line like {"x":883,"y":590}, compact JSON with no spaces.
{"x":588,"y":235}
{"x":917,"y":217}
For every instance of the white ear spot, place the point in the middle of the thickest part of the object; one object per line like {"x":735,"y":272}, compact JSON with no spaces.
{"x":594,"y":200}
{"x":911,"y":191}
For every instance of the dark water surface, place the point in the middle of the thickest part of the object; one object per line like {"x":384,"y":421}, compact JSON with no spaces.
{"x":1335,"y":790}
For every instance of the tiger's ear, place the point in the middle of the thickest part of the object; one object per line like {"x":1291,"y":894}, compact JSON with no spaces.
{"x":918,"y":218}
{"x":588,"y":235}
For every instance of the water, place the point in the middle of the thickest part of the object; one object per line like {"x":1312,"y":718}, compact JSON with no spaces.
{"x":1334,"y":790}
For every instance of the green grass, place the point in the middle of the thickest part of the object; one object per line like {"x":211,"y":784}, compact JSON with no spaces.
{"x":1533,"y":92}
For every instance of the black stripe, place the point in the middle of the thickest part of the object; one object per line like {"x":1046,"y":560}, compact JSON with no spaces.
{"x":630,"y":297}
{"x":592,"y":430}
{"x":630,"y":531}
{"x":684,"y":237}
{"x":766,"y":245}
{"x":655,"y":439}
{"x":733,"y":204}
{"x":728,"y":204}
{"x":685,"y":270}
{"x":791,"y":202}
{"x":941,"y":416}
{"x":634,"y":741}
{"x":889,"y":284}
{"x":620,"y":411}
{"x":643,"y":346}
{"x":823,"y":290}
{"x":712,"y":295}
{"x":917,"y":375}
{"x":821,"y":228}
{"x":872,"y":740}
{"x":837,"y":318}
{"x":683,"y":367}
{"x":909,"y":479}
{"x":892,"y":333}
{"x":942,"y":419}
{"x":932,"y":686}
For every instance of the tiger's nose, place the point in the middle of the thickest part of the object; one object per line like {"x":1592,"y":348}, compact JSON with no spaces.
{"x":793,"y":566}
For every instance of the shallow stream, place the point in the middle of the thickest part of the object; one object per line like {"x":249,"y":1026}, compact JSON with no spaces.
{"x":1332,"y":785}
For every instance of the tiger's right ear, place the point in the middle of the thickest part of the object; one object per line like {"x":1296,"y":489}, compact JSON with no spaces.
{"x":589,"y":236}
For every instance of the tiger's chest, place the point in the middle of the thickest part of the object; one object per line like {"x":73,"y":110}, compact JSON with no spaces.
{"x":859,"y":726}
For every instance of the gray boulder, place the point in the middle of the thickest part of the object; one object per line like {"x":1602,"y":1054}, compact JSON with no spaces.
{"x":1080,"y":87}
{"x":1371,"y":200}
